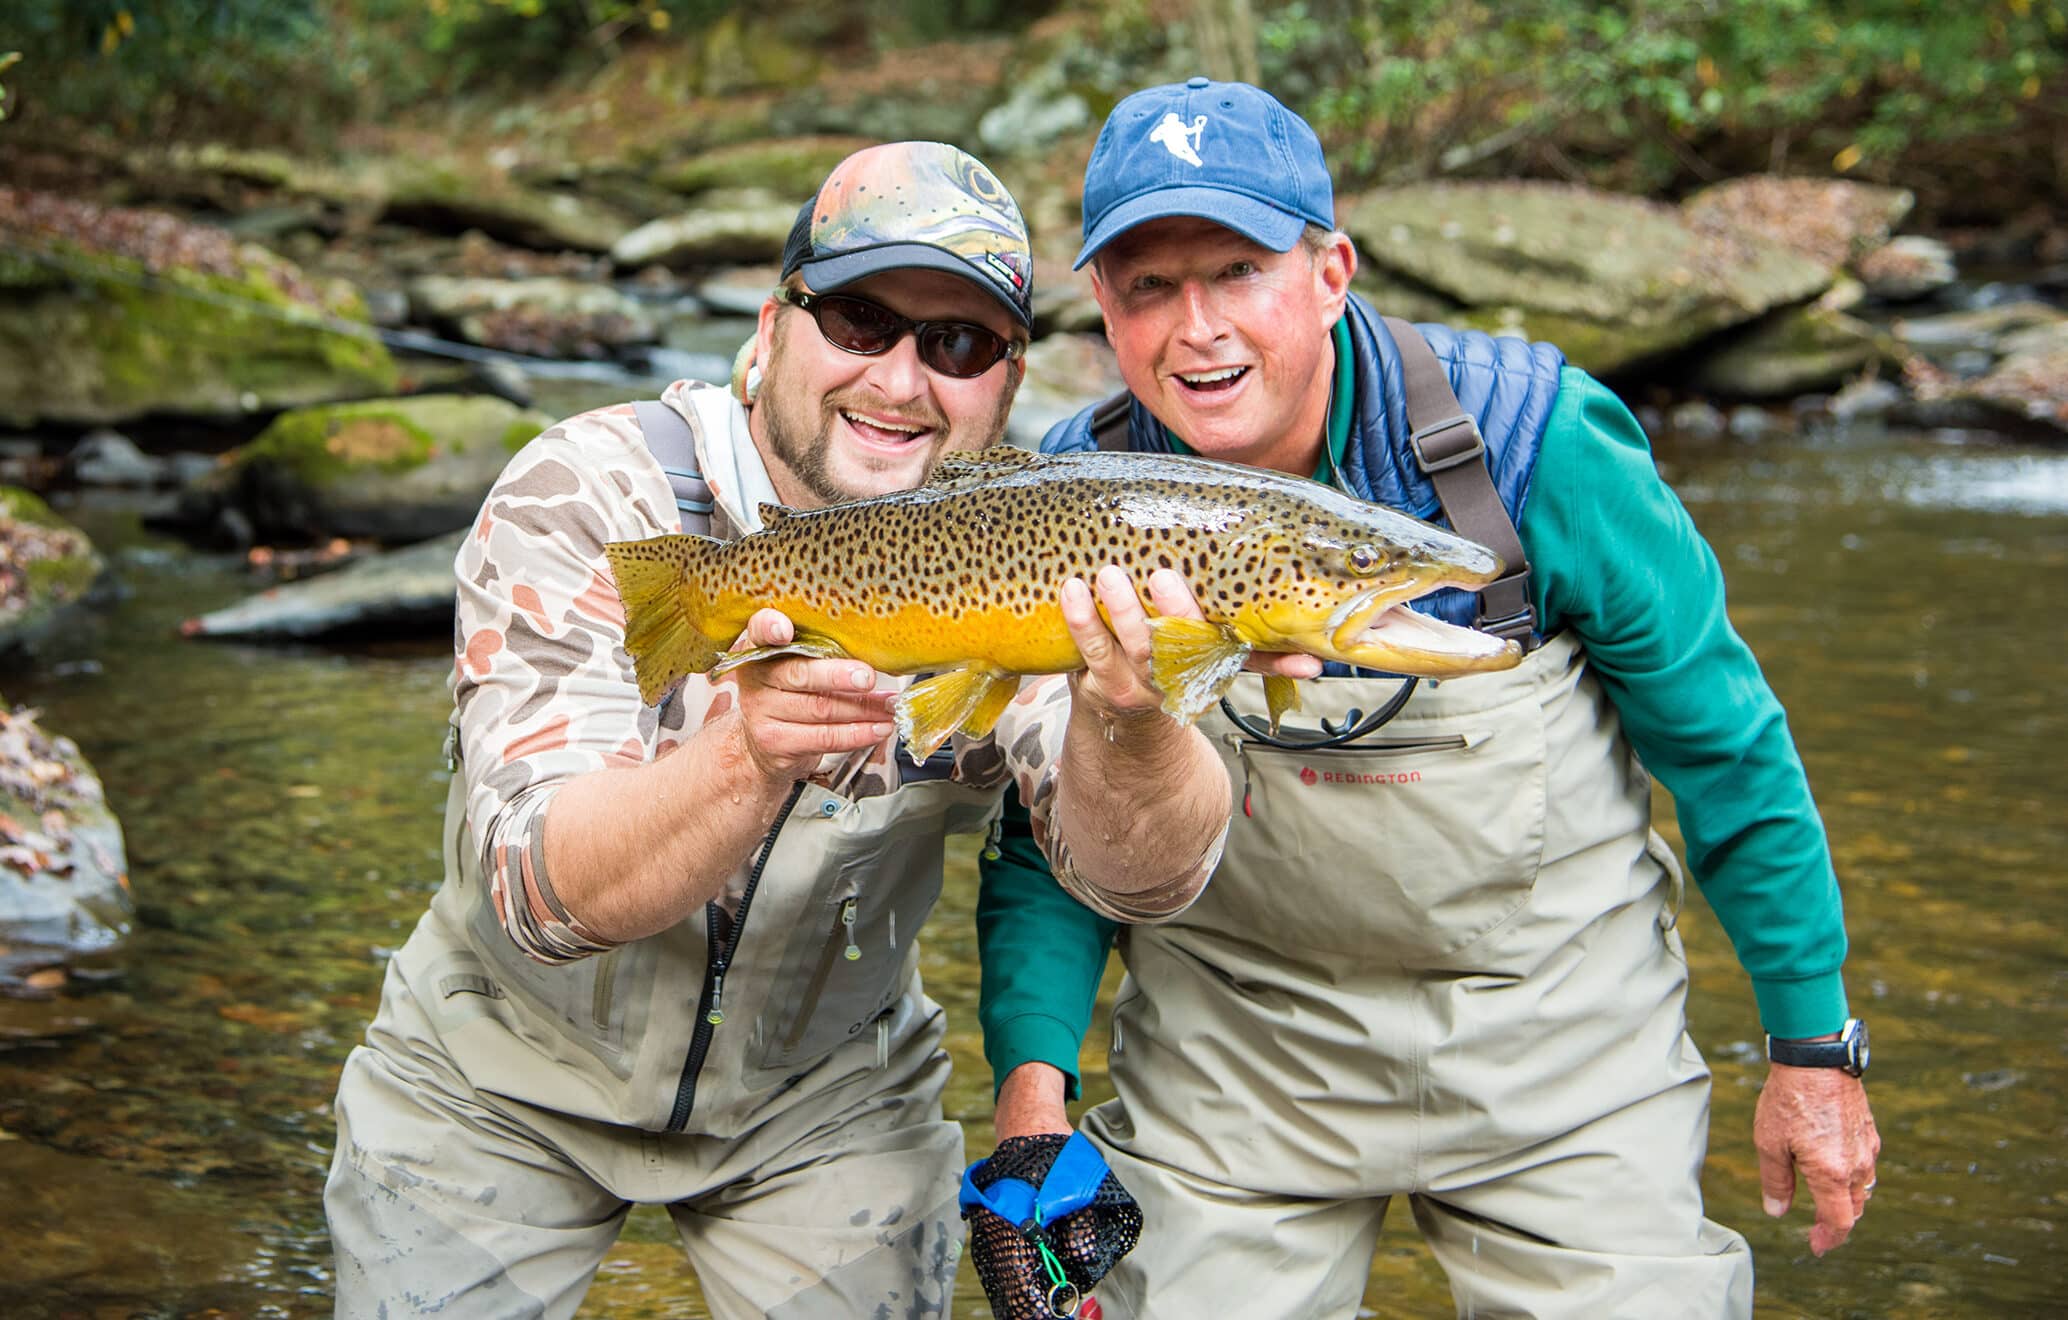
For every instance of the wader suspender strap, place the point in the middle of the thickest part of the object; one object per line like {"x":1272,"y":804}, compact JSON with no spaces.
{"x":1109,"y":423}
{"x":1449,"y":448}
{"x":668,"y":437}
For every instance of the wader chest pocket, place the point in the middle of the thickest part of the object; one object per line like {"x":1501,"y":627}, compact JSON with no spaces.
{"x":1400,"y":849}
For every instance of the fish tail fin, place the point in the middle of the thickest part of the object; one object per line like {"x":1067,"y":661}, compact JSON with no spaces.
{"x":1193,"y":662}
{"x":967,"y":699}
{"x":660,"y":582}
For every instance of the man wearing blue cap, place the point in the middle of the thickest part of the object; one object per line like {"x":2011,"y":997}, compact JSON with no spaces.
{"x":673,"y":960}
{"x":1438,"y":958}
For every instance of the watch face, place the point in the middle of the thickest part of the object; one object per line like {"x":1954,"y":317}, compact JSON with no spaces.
{"x":1857,"y":1038}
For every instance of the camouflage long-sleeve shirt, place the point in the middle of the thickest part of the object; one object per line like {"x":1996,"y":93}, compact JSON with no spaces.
{"x":545,"y":691}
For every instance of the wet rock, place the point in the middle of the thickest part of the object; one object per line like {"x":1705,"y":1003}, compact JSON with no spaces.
{"x":504,"y":380}
{"x":109,"y":314}
{"x":2025,"y":393}
{"x":1866,"y":400}
{"x":457,"y":196}
{"x":1063,"y":301}
{"x":392,"y":470}
{"x":410,"y":589}
{"x":1610,"y":280}
{"x":64,"y":882}
{"x":739,"y":226}
{"x":1907,"y":268}
{"x":740,"y":292}
{"x":1814,"y":346}
{"x":1040,"y":111}
{"x":108,"y":458}
{"x":1695,"y":420}
{"x":1941,"y":338}
{"x":554,"y":318}
{"x":1830,"y":221}
{"x":47,"y":568}
{"x":1746,"y":422}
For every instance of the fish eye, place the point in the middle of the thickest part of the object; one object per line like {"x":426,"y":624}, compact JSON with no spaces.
{"x":1363,"y":559}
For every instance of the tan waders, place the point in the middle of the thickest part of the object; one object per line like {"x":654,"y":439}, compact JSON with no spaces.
{"x":1439,"y":963}
{"x":503,"y":1115}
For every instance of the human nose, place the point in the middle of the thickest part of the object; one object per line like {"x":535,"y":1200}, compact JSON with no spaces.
{"x":1200,"y":325}
{"x":897,"y":371}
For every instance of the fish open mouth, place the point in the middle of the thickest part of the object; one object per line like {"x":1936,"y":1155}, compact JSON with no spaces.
{"x":1376,"y":630}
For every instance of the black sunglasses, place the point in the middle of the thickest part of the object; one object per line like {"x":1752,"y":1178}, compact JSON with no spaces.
{"x":856,"y":325}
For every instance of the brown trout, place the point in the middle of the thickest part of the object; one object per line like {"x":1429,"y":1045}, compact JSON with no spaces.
{"x":963,"y":575}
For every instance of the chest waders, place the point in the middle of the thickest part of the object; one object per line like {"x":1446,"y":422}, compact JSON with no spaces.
{"x":704,"y":1026}
{"x":1437,"y":960}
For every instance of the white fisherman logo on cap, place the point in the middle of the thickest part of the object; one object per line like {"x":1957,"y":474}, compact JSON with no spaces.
{"x":1177,"y":139}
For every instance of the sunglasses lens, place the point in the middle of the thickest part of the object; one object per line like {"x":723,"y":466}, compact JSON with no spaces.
{"x":857,"y":326}
{"x":957,"y":348}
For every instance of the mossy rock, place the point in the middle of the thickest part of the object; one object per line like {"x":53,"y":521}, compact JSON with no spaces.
{"x":1630,"y":279}
{"x":450,"y":196}
{"x":1795,"y":350}
{"x":47,"y":566}
{"x":788,"y":167}
{"x":113,"y":341}
{"x":395,"y":470}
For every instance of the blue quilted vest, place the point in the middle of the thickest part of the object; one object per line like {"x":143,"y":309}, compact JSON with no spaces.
{"x":1508,"y":385}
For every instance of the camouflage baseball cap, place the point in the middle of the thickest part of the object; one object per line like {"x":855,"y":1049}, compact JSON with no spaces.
{"x":914,"y":205}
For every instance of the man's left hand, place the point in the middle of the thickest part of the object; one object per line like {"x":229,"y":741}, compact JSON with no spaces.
{"x":1116,"y":648}
{"x":1816,"y":1120}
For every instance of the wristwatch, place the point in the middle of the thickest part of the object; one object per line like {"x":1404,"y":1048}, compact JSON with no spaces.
{"x":1848,"y":1052}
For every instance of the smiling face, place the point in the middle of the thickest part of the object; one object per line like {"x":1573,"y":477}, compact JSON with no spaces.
{"x":1226,"y":341}
{"x":833,"y":425}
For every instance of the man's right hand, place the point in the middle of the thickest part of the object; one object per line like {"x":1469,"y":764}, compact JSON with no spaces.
{"x":794,"y":709}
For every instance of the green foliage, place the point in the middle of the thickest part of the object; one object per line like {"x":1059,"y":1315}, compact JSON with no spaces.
{"x":1404,"y":88}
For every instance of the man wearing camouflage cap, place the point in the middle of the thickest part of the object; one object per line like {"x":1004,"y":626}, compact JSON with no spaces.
{"x":673,"y":958}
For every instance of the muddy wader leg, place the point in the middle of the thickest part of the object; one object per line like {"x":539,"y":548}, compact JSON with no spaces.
{"x":1203,"y":1244}
{"x":438,"y":1206}
{"x":850,"y":1213}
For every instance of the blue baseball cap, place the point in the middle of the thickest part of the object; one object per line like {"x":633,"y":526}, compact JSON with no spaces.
{"x":1225,"y":152}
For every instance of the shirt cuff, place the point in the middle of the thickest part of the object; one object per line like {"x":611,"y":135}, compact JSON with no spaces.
{"x":1808,"y":1006}
{"x":1033,"y":1038}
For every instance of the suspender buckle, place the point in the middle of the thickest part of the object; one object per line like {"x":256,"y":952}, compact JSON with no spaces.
{"x":1521,"y":626}
{"x":1452,"y":451}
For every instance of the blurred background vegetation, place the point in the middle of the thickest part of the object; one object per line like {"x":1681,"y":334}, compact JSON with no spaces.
{"x":1967,"y":103}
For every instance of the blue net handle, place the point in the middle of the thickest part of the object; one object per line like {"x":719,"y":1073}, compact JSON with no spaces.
{"x":1070,"y":1184}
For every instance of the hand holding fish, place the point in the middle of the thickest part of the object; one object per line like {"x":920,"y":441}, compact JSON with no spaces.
{"x":1108,"y":623}
{"x":796,"y":709}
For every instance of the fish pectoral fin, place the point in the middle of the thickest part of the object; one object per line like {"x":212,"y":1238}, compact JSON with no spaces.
{"x":1281,"y":698}
{"x":817,"y":646}
{"x":1193,"y":662}
{"x":654,"y":580}
{"x":933,"y":708}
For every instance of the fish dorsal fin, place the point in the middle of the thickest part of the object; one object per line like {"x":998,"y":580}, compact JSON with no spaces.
{"x":771,"y":514}
{"x":962,"y":467}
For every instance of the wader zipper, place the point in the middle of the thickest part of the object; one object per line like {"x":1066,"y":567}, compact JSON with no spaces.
{"x":824,"y":971}
{"x":724,"y":942}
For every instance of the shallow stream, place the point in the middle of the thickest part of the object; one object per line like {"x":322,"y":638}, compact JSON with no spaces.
{"x":164,"y":1122}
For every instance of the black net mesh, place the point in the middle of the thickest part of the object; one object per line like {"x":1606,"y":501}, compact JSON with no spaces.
{"x":1086,"y":1242}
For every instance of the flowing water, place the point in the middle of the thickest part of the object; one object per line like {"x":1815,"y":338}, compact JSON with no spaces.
{"x":163,"y":1114}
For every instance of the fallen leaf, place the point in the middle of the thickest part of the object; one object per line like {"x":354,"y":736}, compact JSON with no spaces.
{"x":48,"y":978}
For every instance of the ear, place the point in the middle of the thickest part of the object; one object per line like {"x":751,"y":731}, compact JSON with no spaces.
{"x":764,"y":330}
{"x":1102,"y":297}
{"x":1333,"y":268}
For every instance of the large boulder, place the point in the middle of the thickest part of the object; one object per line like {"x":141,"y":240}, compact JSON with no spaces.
{"x":109,"y":314}
{"x":453,"y":196}
{"x":726,"y":228}
{"x":558,"y":318}
{"x":1611,"y":280}
{"x":1809,"y":348}
{"x":787,"y":167}
{"x":407,"y":590}
{"x":394,"y":470}
{"x":1831,"y":221}
{"x":47,"y":566}
{"x":64,"y":882}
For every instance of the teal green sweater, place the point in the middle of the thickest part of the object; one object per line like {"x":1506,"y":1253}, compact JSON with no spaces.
{"x":1615,"y":558}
